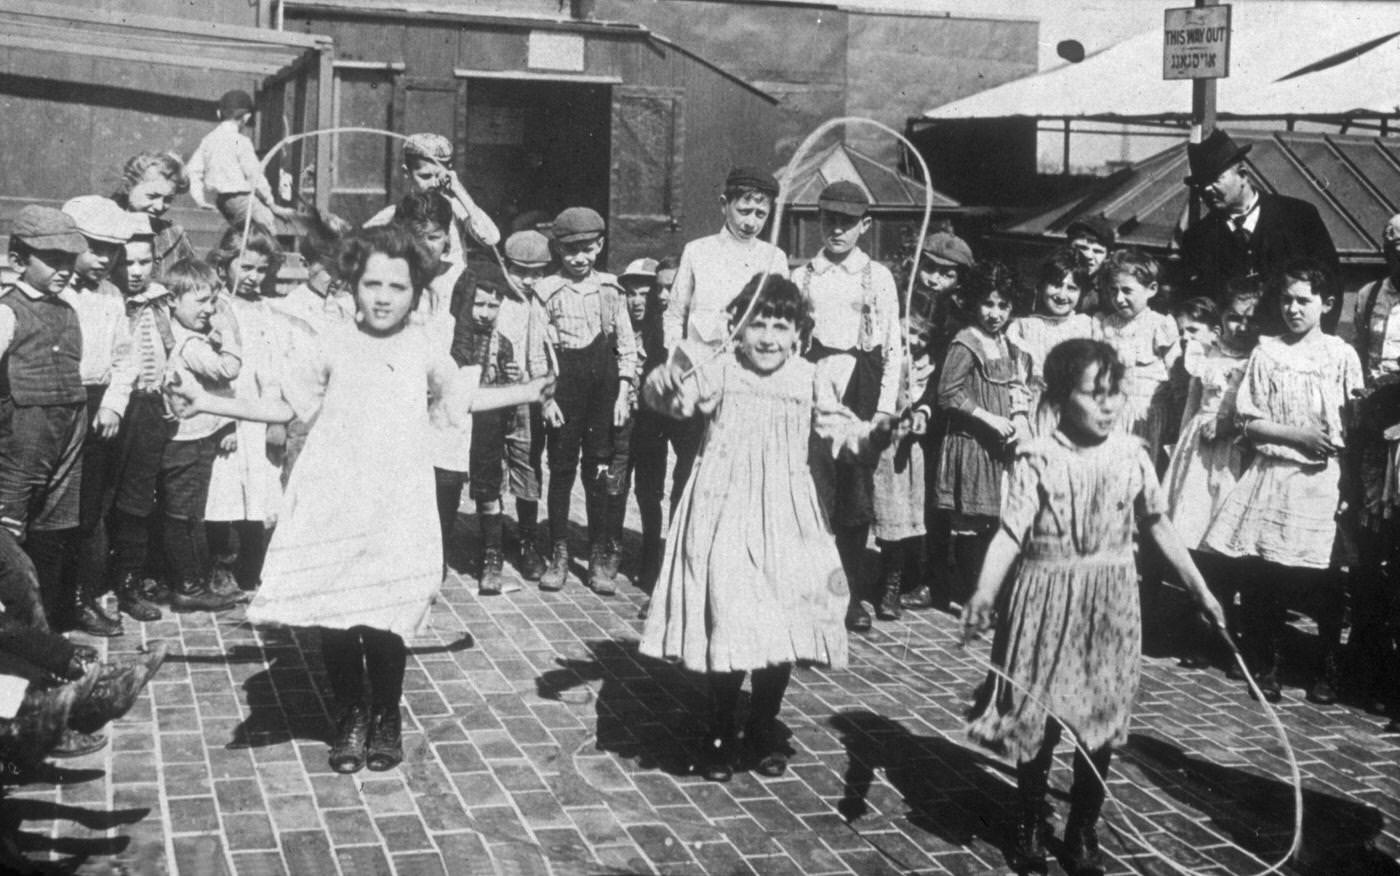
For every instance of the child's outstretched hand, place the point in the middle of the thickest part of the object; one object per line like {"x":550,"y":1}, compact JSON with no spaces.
{"x":183,"y":395}
{"x":882,"y":431}
{"x":976,"y":616}
{"x":544,"y":390}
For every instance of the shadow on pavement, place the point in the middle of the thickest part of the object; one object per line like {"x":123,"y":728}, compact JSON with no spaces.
{"x":1256,"y":812}
{"x":954,"y":792}
{"x":648,"y":710}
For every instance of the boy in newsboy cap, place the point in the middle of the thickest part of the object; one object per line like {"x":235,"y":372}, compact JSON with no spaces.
{"x":44,"y":414}
{"x":106,"y":360}
{"x":596,"y":354}
{"x":855,"y":312}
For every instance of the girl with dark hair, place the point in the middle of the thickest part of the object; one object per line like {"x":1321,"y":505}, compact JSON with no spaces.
{"x":1061,"y":295}
{"x":1069,"y":630}
{"x":752,"y":580}
{"x":357,"y":550}
{"x":983,"y":398}
{"x":1280,"y":518}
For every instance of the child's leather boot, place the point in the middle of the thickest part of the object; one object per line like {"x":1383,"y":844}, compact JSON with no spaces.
{"x":557,"y":575}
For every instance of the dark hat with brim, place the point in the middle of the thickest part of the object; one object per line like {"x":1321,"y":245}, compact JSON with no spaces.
{"x":949,"y":250}
{"x":235,"y":101}
{"x":578,"y":223}
{"x":1210,"y":157}
{"x":752,"y":178}
{"x":844,"y":197}
{"x":48,"y":230}
{"x":1097,"y":227}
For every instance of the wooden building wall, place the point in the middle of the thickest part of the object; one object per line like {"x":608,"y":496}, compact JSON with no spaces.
{"x":399,"y":74}
{"x":826,"y":61}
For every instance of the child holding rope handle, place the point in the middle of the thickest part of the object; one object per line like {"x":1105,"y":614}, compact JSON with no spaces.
{"x":1069,"y":637}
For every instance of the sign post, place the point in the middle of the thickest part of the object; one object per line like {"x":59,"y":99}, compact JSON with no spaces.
{"x":1196,"y":46}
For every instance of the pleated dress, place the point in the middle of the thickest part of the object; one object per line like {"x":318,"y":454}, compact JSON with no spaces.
{"x":1284,"y":507}
{"x":358,"y":540}
{"x":1206,"y":464}
{"x":1071,"y":630}
{"x":751,"y":576}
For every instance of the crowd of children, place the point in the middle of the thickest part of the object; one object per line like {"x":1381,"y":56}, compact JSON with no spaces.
{"x":179,"y":430}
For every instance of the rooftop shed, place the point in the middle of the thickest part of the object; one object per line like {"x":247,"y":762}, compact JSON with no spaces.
{"x":544,"y":112}
{"x":82,"y":89}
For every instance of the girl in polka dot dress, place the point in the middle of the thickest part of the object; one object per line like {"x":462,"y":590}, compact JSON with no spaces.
{"x":1069,"y":633}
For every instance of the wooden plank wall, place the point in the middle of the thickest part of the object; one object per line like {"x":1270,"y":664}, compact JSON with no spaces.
{"x":724,"y":123}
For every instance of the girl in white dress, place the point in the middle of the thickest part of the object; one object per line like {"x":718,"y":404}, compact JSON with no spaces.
{"x":357,"y":550}
{"x":245,"y":484}
{"x":1281,"y":516}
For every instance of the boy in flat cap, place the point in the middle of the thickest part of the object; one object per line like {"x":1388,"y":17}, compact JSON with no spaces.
{"x":712,"y":272}
{"x":226,"y":166}
{"x":524,"y":322}
{"x":597,"y":356}
{"x":855,"y":313}
{"x":106,"y":360}
{"x":427,"y":165}
{"x":639,"y":445}
{"x":43,"y":406}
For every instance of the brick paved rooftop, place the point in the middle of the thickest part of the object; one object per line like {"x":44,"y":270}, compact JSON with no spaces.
{"x":539,"y":742}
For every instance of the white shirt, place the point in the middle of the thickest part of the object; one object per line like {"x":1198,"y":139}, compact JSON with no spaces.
{"x":842,"y":321}
{"x":712,"y":272}
{"x":107,"y":358}
{"x":526,"y":326}
{"x":225,"y":164}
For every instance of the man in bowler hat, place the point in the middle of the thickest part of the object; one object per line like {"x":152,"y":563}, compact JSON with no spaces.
{"x":1248,"y":233}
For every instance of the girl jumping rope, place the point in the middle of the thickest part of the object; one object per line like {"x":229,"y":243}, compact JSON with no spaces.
{"x":357,"y":551}
{"x":1069,"y":636}
{"x":752,"y":580}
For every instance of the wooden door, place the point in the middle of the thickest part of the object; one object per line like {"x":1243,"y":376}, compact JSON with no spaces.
{"x":645,"y":191}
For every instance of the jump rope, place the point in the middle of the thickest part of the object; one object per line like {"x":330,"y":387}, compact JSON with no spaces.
{"x":785,"y":189}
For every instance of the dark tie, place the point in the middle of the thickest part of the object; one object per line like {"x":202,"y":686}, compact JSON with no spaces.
{"x":1241,"y":233}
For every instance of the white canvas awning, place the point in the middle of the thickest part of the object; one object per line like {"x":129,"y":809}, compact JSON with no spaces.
{"x":1300,"y":60}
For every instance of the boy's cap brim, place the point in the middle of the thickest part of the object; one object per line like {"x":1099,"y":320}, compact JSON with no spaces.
{"x":47,"y":229}
{"x":99,"y":219}
{"x":528,"y":248}
{"x":752,"y":178}
{"x":948,"y":250}
{"x":578,"y":223}
{"x":844,"y":197}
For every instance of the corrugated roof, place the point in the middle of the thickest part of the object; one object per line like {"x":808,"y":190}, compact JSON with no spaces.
{"x":1308,"y":59}
{"x":1353,"y":181}
{"x":887,"y":187}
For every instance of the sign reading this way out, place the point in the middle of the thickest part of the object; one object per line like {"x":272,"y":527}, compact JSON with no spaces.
{"x":1196,"y":43}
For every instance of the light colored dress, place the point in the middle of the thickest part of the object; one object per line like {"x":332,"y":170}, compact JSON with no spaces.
{"x":899,"y":475}
{"x":1149,"y":345}
{"x":358,"y":542}
{"x":1203,"y":471}
{"x":1284,"y":507}
{"x":1071,"y":633}
{"x":1036,"y":335}
{"x":245,"y":484}
{"x":751,"y":576}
